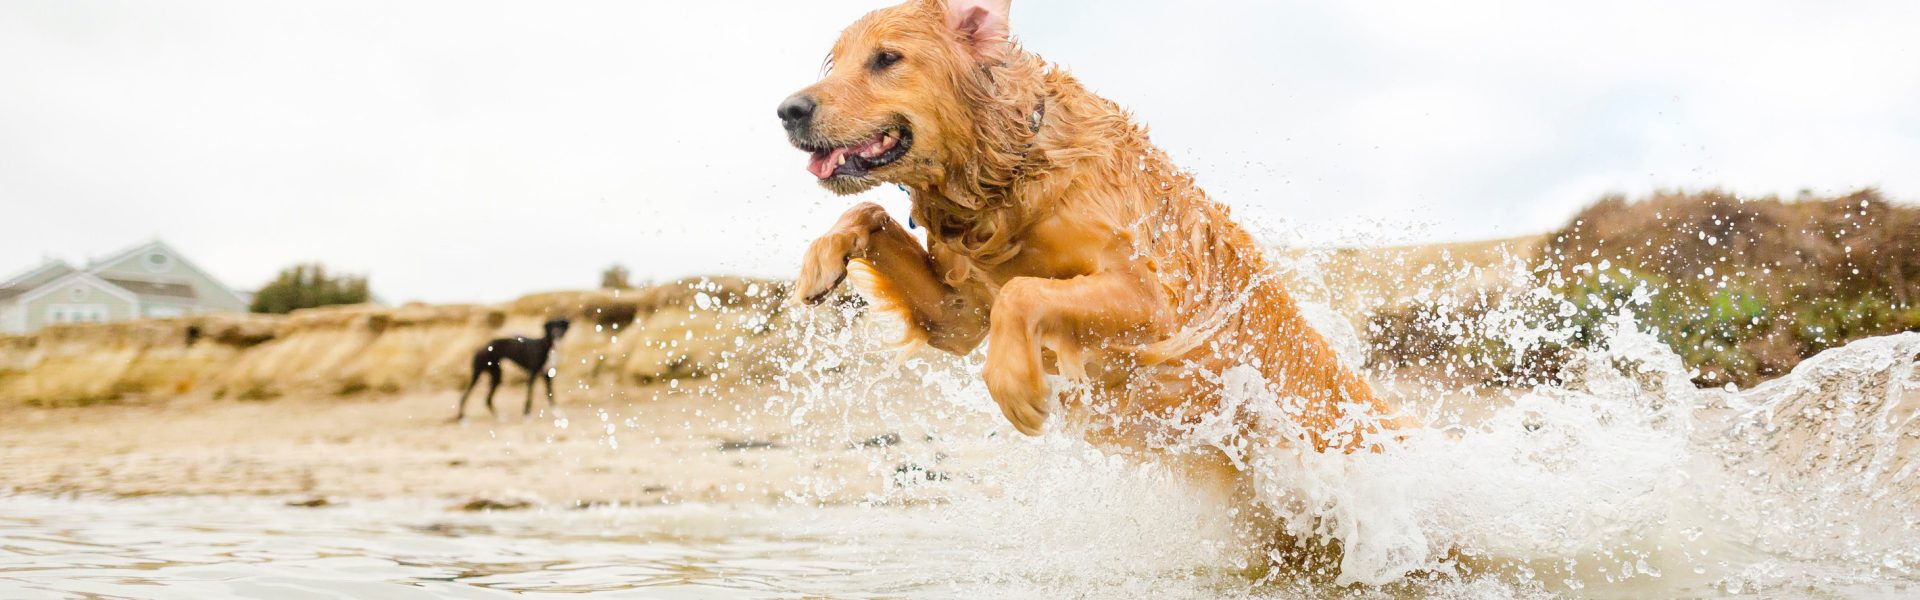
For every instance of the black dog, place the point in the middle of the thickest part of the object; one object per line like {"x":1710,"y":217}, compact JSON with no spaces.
{"x":531,"y":355}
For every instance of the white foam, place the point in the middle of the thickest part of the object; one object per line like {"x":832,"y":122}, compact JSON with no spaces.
{"x":1625,"y":480}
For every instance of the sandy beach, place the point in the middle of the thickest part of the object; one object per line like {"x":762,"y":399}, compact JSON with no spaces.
{"x":630,"y":446}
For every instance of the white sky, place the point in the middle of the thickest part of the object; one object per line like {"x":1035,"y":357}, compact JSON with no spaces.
{"x":475,"y":151}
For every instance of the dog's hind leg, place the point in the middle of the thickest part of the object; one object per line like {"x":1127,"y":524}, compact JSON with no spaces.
{"x":1033,"y":314}
{"x":460,"y":414}
{"x":493,"y":383}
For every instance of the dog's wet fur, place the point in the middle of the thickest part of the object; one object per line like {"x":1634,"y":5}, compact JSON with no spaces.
{"x":1058,"y":235}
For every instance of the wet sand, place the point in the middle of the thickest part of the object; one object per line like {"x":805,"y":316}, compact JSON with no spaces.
{"x":632,"y":446}
{"x":857,"y":437}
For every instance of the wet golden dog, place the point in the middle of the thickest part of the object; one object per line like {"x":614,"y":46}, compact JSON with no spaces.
{"x":1057,"y":234}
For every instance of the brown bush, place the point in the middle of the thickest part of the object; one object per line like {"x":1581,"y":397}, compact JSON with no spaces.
{"x":1858,"y":244}
{"x":1742,"y":289}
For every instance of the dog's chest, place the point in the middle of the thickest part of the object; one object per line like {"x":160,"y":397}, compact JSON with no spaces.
{"x":1051,"y":249}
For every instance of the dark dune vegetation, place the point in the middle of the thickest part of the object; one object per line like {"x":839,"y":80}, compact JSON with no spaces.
{"x":1741,"y":288}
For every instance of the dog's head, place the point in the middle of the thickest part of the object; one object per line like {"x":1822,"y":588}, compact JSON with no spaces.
{"x":894,"y":104}
{"x":556,"y":328}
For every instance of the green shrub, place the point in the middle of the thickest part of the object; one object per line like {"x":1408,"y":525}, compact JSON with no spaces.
{"x":615,"y":278}
{"x":308,"y":286}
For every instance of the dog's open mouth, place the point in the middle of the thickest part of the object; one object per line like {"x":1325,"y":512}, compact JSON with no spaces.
{"x":860,"y":159}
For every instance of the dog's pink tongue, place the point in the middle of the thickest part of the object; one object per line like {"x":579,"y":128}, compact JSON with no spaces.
{"x":822,"y":165}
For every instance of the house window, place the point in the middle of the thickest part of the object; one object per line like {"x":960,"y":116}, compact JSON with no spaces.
{"x":165,"y":312}
{"x":77,"y":313}
{"x":159,"y":262}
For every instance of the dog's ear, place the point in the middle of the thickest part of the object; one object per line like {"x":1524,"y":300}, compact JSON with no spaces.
{"x":981,"y":24}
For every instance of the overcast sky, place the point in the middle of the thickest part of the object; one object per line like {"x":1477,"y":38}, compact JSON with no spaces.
{"x":475,"y":151}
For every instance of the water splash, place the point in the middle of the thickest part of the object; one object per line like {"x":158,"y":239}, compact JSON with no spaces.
{"x":1617,"y":476}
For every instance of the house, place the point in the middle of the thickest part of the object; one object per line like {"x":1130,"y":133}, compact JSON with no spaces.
{"x":151,"y":280}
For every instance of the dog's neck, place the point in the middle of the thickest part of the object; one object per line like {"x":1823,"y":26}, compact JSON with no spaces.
{"x":971,"y":209}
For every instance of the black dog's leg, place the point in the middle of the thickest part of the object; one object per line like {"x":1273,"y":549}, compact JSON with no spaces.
{"x":532,"y":378}
{"x":549,"y":379}
{"x":461,"y":413}
{"x":493,"y":383}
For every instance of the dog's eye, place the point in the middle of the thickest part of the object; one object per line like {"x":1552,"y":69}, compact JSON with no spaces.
{"x":883,"y":59}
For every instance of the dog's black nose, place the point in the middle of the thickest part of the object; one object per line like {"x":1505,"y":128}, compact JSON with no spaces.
{"x":796,"y":110}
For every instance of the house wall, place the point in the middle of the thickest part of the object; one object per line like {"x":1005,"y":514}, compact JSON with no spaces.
{"x":150,"y":309}
{"x":211,"y":295}
{"x":12,"y":319}
{"x":76,"y":296}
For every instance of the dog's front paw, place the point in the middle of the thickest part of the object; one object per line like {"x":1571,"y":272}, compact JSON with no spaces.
{"x":825,"y":266}
{"x":1022,"y":393}
{"x":826,"y":262}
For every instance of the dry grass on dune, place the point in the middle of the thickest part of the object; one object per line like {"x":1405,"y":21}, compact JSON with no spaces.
{"x":85,"y":364}
{"x":1360,"y":281}
{"x":1742,"y":288}
{"x":700,"y":327}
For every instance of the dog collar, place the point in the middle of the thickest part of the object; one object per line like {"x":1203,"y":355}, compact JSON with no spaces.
{"x":909,"y":193}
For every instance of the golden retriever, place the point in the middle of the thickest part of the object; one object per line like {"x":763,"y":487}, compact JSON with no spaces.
{"x":1057,"y":234}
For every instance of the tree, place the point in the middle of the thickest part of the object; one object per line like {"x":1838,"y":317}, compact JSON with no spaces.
{"x":308,"y":286}
{"x":615,"y":278}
